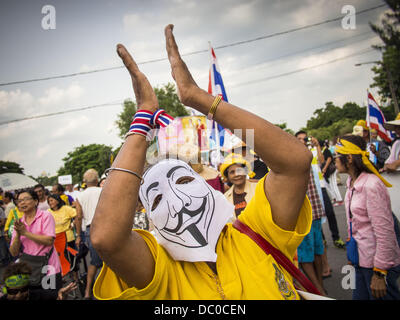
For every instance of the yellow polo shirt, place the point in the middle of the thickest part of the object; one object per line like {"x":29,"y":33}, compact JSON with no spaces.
{"x":245,"y":271}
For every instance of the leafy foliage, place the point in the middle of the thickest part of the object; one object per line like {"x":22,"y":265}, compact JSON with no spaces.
{"x":167,"y":99}
{"x":10,"y":167}
{"x":387,"y":71}
{"x":95,"y":156}
{"x":333,"y":121}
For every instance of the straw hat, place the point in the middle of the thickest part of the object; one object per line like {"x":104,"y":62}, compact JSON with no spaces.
{"x":390,"y":125}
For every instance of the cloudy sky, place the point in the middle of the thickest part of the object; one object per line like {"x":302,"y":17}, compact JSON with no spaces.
{"x":282,"y":78}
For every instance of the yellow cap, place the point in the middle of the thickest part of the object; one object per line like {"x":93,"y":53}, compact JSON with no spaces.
{"x":235,"y":158}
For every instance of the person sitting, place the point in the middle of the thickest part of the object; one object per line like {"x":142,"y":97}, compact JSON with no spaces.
{"x":235,"y":169}
{"x":196,"y":253}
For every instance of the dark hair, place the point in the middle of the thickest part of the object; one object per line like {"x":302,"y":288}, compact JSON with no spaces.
{"x":9,"y":195}
{"x":16,"y":268}
{"x":32,"y":193}
{"x":39,"y":185}
{"x":226,"y":170}
{"x":60,"y":187}
{"x":358,"y":164}
{"x":57,"y":198}
{"x":300,"y":132}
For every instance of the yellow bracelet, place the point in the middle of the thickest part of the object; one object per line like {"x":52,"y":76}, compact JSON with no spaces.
{"x":214,"y":106}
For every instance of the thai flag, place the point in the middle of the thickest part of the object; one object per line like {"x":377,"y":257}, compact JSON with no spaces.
{"x":376,"y":119}
{"x":216,"y":87}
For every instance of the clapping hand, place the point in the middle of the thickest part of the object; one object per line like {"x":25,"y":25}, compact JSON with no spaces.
{"x":144,"y":93}
{"x":19,"y":227}
{"x":184,"y":80}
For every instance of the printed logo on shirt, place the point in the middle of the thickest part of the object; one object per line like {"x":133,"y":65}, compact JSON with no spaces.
{"x":284,"y":287}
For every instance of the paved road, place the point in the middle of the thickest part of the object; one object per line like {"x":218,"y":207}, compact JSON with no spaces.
{"x":337,"y":257}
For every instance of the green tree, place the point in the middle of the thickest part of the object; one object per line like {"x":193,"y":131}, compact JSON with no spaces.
{"x":46,"y":181}
{"x":284,"y":127}
{"x":333,"y":121}
{"x":76,"y":162}
{"x":10,"y":167}
{"x":387,"y":71}
{"x":168,"y":100}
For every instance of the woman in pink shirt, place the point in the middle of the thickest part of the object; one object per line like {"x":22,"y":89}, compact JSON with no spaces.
{"x":369,"y":211}
{"x":34,"y":235}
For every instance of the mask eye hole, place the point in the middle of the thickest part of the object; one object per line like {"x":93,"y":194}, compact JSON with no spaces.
{"x":156,"y":202}
{"x":184,"y":180}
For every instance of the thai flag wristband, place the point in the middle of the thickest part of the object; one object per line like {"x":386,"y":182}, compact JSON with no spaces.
{"x":144,"y":121}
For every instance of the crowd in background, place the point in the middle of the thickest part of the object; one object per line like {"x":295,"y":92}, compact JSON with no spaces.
{"x":56,"y":223}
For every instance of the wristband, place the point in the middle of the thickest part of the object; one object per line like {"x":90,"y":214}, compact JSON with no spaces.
{"x":144,"y":121}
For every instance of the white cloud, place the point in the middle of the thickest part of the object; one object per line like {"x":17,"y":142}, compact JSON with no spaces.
{"x":56,"y":96}
{"x":14,"y":156}
{"x":69,"y":127}
{"x":42,"y":151}
{"x":15,"y":102}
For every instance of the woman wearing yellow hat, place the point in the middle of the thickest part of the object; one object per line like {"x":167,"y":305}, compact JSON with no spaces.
{"x":235,"y":169}
{"x":372,"y":245}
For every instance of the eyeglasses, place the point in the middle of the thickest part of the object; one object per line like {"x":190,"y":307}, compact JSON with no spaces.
{"x":16,"y":291}
{"x":23,"y":199}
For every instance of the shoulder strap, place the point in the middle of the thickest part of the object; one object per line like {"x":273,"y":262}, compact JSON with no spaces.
{"x":277,"y":255}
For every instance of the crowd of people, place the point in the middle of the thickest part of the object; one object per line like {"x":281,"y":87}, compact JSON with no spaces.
{"x":175,"y":229}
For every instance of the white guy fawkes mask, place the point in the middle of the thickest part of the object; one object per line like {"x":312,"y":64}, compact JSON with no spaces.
{"x":187,"y":213}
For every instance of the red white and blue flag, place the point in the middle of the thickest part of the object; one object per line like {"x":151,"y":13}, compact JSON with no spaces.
{"x":376,"y":119}
{"x":216,"y":87}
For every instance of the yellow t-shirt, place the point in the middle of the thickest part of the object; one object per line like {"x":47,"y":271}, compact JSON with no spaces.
{"x":245,"y":271}
{"x":63,"y":218}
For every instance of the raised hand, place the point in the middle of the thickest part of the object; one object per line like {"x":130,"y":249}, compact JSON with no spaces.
{"x":185,"y":84}
{"x":144,"y":93}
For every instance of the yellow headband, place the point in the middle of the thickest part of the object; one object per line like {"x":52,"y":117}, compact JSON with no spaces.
{"x":346,"y":147}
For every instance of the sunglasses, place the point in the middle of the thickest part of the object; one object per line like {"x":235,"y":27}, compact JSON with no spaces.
{"x":16,"y":291}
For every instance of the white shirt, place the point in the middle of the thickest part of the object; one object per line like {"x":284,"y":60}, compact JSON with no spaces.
{"x":88,"y":200}
{"x":44,"y":206}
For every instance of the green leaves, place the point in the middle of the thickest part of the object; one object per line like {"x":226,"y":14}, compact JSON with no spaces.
{"x":10,"y":167}
{"x":168,"y":100}
{"x":76,"y":162}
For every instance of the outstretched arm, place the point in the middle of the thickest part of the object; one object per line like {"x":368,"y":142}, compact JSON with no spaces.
{"x":124,"y":251}
{"x":288,"y":159}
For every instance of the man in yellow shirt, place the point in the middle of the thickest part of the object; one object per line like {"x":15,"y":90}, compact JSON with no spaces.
{"x":195,"y":253}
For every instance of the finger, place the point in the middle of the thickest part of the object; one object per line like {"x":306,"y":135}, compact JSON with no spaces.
{"x":127,"y":59}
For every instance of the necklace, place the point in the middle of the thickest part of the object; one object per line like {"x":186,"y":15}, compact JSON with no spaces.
{"x":219,"y":286}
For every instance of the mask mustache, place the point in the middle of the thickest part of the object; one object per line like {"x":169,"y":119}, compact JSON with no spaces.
{"x":191,"y":213}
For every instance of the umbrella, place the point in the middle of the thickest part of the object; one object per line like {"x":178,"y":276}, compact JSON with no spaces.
{"x":15,"y":181}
